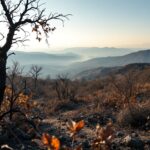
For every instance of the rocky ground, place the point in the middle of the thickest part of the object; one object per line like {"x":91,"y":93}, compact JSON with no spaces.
{"x":25,"y":136}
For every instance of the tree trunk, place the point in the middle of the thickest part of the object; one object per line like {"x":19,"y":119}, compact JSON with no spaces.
{"x":3,"y":60}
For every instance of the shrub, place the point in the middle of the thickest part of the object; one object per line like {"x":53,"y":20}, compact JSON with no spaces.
{"x":136,"y":116}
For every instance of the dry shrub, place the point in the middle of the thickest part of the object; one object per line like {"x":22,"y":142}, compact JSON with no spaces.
{"x":135,"y":115}
{"x":104,"y":138}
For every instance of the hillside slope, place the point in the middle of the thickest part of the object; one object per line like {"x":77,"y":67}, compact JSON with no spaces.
{"x":136,"y":57}
{"x":103,"y":72}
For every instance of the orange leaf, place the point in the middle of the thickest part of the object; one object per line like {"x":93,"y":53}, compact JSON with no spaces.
{"x":50,"y":141}
{"x":55,"y":143}
{"x":46,"y":139}
{"x":75,"y":127}
{"x":80,"y":125}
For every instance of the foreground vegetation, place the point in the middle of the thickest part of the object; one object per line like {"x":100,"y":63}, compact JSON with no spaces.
{"x":106,"y":113}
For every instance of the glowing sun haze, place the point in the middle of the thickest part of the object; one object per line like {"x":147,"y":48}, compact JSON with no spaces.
{"x":98,"y":23}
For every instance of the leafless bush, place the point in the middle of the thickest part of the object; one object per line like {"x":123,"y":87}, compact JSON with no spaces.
{"x":15,"y":92}
{"x":137,"y":118}
{"x":65,"y":88}
{"x":126,"y":87}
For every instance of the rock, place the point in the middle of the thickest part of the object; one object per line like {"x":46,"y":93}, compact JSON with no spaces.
{"x":127,"y":140}
{"x":134,"y":134}
{"x":134,"y":143}
{"x":120,"y":134}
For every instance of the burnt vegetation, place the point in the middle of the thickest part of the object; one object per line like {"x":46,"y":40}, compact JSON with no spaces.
{"x":106,"y":113}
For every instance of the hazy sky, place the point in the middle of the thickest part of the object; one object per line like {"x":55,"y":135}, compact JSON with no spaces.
{"x":99,"y":23}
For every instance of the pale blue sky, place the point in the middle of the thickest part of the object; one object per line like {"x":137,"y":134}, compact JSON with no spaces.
{"x":99,"y":23}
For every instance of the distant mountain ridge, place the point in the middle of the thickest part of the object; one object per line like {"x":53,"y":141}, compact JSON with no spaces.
{"x":93,"y":52}
{"x":52,"y":64}
{"x":72,"y":63}
{"x":26,"y":58}
{"x":142,"y":56}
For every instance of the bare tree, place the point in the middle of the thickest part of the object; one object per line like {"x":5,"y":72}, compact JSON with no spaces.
{"x":35,"y":72}
{"x":15,"y":16}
